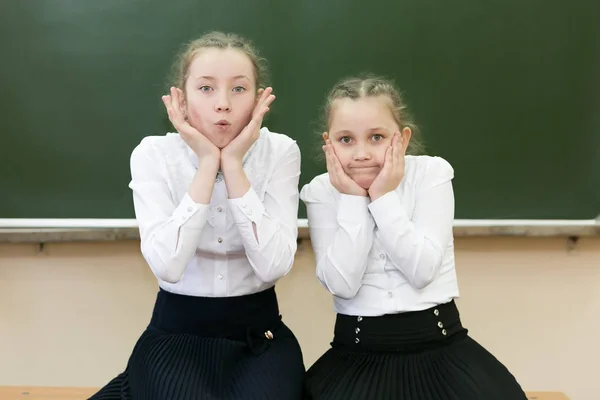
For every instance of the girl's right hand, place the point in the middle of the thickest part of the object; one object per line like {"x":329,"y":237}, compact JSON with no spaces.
{"x":338,"y":178}
{"x":199,"y":143}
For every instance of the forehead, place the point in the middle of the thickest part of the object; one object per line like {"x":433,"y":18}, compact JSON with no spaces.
{"x":361,"y":114}
{"x":221,"y":64}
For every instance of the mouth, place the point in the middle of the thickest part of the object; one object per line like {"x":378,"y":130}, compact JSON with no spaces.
{"x":223,"y":123}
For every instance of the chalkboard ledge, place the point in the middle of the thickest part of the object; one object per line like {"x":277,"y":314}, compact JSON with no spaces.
{"x":94,"y":230}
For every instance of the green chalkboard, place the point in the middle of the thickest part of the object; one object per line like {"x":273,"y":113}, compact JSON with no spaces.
{"x":508,"y":91}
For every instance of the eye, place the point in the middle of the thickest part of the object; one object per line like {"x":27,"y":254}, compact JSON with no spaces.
{"x":239,"y":89}
{"x":377,"y":137}
{"x":345,"y":139}
{"x":205,"y":88}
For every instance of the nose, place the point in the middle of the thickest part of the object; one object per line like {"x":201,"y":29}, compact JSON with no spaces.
{"x":361,"y":153}
{"x":223,"y":103}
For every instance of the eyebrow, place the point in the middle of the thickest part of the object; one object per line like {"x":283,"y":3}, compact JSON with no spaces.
{"x":343,"y":132}
{"x":379,"y":128}
{"x":212,"y":78}
{"x":348,"y":132}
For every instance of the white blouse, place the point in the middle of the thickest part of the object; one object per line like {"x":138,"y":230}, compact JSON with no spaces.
{"x":392,"y":255}
{"x":211,"y":249}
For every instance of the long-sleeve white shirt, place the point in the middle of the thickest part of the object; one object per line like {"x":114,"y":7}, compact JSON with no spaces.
{"x":392,"y":255}
{"x":211,"y":249}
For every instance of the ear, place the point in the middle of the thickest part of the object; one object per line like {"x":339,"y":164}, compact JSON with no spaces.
{"x":405,"y":137}
{"x":325,"y":136}
{"x":259,"y":93}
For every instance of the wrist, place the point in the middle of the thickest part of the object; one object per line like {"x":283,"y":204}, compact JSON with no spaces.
{"x":230,"y":163}
{"x":209,"y":164}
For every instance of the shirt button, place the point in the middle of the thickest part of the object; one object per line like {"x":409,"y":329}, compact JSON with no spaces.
{"x":189,"y":209}
{"x":219,"y":179}
{"x":382,"y":256}
{"x":220,"y":240}
{"x":249,"y":212}
{"x":219,"y":209}
{"x":390,"y":295}
{"x":220,"y":277}
{"x":244,"y":206}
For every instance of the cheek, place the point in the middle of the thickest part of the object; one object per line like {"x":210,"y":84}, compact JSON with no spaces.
{"x":343,"y":154}
{"x":379,"y":153}
{"x":245,"y":105}
{"x":196,"y":108}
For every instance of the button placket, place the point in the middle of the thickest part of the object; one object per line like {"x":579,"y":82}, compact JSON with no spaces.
{"x":440,"y":324}
{"x":357,"y":330}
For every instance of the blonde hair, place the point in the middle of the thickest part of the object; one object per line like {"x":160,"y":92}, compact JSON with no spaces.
{"x":218,"y":40}
{"x":371,"y":86}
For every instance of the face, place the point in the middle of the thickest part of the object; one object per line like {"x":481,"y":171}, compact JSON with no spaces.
{"x":220,"y":94}
{"x":360,"y":131}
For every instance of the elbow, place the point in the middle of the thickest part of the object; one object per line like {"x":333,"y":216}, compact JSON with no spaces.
{"x":167,"y":276}
{"x":427,"y":268}
{"x":274,"y":273}
{"x":424,"y":277}
{"x":345,"y":292}
{"x":341,"y":290}
{"x":165,"y":271}
{"x":421,"y":282}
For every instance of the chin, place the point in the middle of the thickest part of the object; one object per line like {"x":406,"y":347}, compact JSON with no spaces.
{"x":221,"y":141}
{"x":364,"y":183}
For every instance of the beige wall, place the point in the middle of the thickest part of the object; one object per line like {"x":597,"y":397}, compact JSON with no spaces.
{"x":70,"y":313}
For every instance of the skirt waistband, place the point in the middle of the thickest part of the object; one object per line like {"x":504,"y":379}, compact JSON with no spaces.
{"x":234,"y":318}
{"x":402,"y":332}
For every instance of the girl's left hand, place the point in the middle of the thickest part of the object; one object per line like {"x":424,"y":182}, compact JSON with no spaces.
{"x":237,"y":148}
{"x":392,"y":172}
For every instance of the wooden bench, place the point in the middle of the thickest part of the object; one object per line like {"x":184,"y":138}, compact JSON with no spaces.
{"x":546,"y":396}
{"x":45,"y":393}
{"x":68,"y":393}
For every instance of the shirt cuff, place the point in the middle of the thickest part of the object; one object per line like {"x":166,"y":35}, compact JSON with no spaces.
{"x":385,"y":207}
{"x":353,"y":208}
{"x":190,"y":214}
{"x":247,"y":208}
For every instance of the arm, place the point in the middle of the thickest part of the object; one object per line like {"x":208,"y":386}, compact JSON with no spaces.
{"x":169,"y":232}
{"x":341,"y":236}
{"x":416,"y":247}
{"x":269,"y":228}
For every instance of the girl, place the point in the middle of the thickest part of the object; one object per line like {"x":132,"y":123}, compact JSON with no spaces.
{"x":217,"y":208}
{"x":381,"y":228}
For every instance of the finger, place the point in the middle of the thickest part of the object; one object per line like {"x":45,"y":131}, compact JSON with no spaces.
{"x":265,"y":94}
{"x":398,"y":149}
{"x":336,"y":161}
{"x":325,"y":136}
{"x":260,"y":110}
{"x":168,"y":101}
{"x":388,"y":161}
{"x":263,"y":108}
{"x":327,"y":157}
{"x":176,"y":106}
{"x":264,"y":99}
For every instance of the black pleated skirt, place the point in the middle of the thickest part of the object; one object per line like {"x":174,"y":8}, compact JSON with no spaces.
{"x":424,"y":355}
{"x":212,"y":348}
